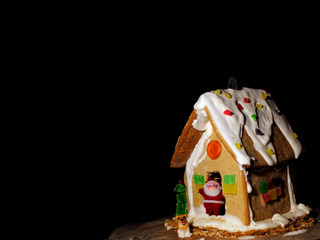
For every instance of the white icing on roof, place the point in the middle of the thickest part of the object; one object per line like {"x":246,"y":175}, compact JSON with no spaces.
{"x":232,"y":110}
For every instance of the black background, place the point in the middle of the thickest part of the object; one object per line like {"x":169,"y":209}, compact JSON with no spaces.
{"x":145,"y":119}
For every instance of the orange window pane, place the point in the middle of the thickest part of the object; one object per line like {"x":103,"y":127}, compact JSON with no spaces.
{"x":214,"y":149}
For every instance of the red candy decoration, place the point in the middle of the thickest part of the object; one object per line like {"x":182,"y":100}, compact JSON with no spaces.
{"x":227,"y":112}
{"x":246,"y":100}
{"x":240,"y":107}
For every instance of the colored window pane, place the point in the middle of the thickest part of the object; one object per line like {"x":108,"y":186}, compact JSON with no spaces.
{"x":198,"y":179}
{"x":214,"y":149}
{"x":273,"y":194}
{"x":264,"y":187}
{"x":266,"y":197}
{"x":198,"y":187}
{"x":229,"y":179}
{"x":229,"y":188}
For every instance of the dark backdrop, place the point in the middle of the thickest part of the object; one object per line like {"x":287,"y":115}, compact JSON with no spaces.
{"x":121,"y":87}
{"x":145,"y":116}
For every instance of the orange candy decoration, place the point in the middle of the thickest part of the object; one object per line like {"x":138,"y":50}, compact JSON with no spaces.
{"x":214,"y":149}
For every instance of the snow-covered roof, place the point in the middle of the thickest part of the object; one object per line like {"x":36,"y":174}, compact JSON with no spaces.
{"x":232,"y":111}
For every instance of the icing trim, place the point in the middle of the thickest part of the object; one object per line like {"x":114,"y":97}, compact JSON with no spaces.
{"x":197,"y":156}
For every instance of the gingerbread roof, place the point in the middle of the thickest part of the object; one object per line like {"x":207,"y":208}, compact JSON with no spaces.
{"x":247,"y":120}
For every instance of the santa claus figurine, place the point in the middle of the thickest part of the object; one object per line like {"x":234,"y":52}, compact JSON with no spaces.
{"x":213,"y":200}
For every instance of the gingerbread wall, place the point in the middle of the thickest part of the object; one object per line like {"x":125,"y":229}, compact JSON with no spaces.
{"x":225,"y":164}
{"x":265,"y":208}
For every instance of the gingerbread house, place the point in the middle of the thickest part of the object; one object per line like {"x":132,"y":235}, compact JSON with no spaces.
{"x":242,"y":137}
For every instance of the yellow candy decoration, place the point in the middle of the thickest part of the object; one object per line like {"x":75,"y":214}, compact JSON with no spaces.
{"x":264,"y":95}
{"x":228,"y":95}
{"x":238,"y":145}
{"x":294,"y":135}
{"x":259,"y":106}
{"x":218,"y":92}
{"x":270,"y":152}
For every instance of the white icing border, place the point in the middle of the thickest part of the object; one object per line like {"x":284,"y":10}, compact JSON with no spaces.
{"x":232,"y":223}
{"x":197,"y":156}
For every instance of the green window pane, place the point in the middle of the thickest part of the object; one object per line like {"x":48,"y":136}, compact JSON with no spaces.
{"x":198,"y":179}
{"x":264,"y":187}
{"x":229,"y":179}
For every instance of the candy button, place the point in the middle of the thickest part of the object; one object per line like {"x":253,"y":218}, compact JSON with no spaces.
{"x":254,"y":116}
{"x":239,"y":106}
{"x":228,"y":95}
{"x":259,"y":106}
{"x":238,"y":145}
{"x":269,"y":151}
{"x":218,"y":92}
{"x":227,"y":112}
{"x":214,"y":149}
{"x":264,"y":95}
{"x":246,"y":100}
{"x":294,"y":135}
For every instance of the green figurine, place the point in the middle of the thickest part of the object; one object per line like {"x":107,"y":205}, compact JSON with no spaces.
{"x":181,"y":206}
